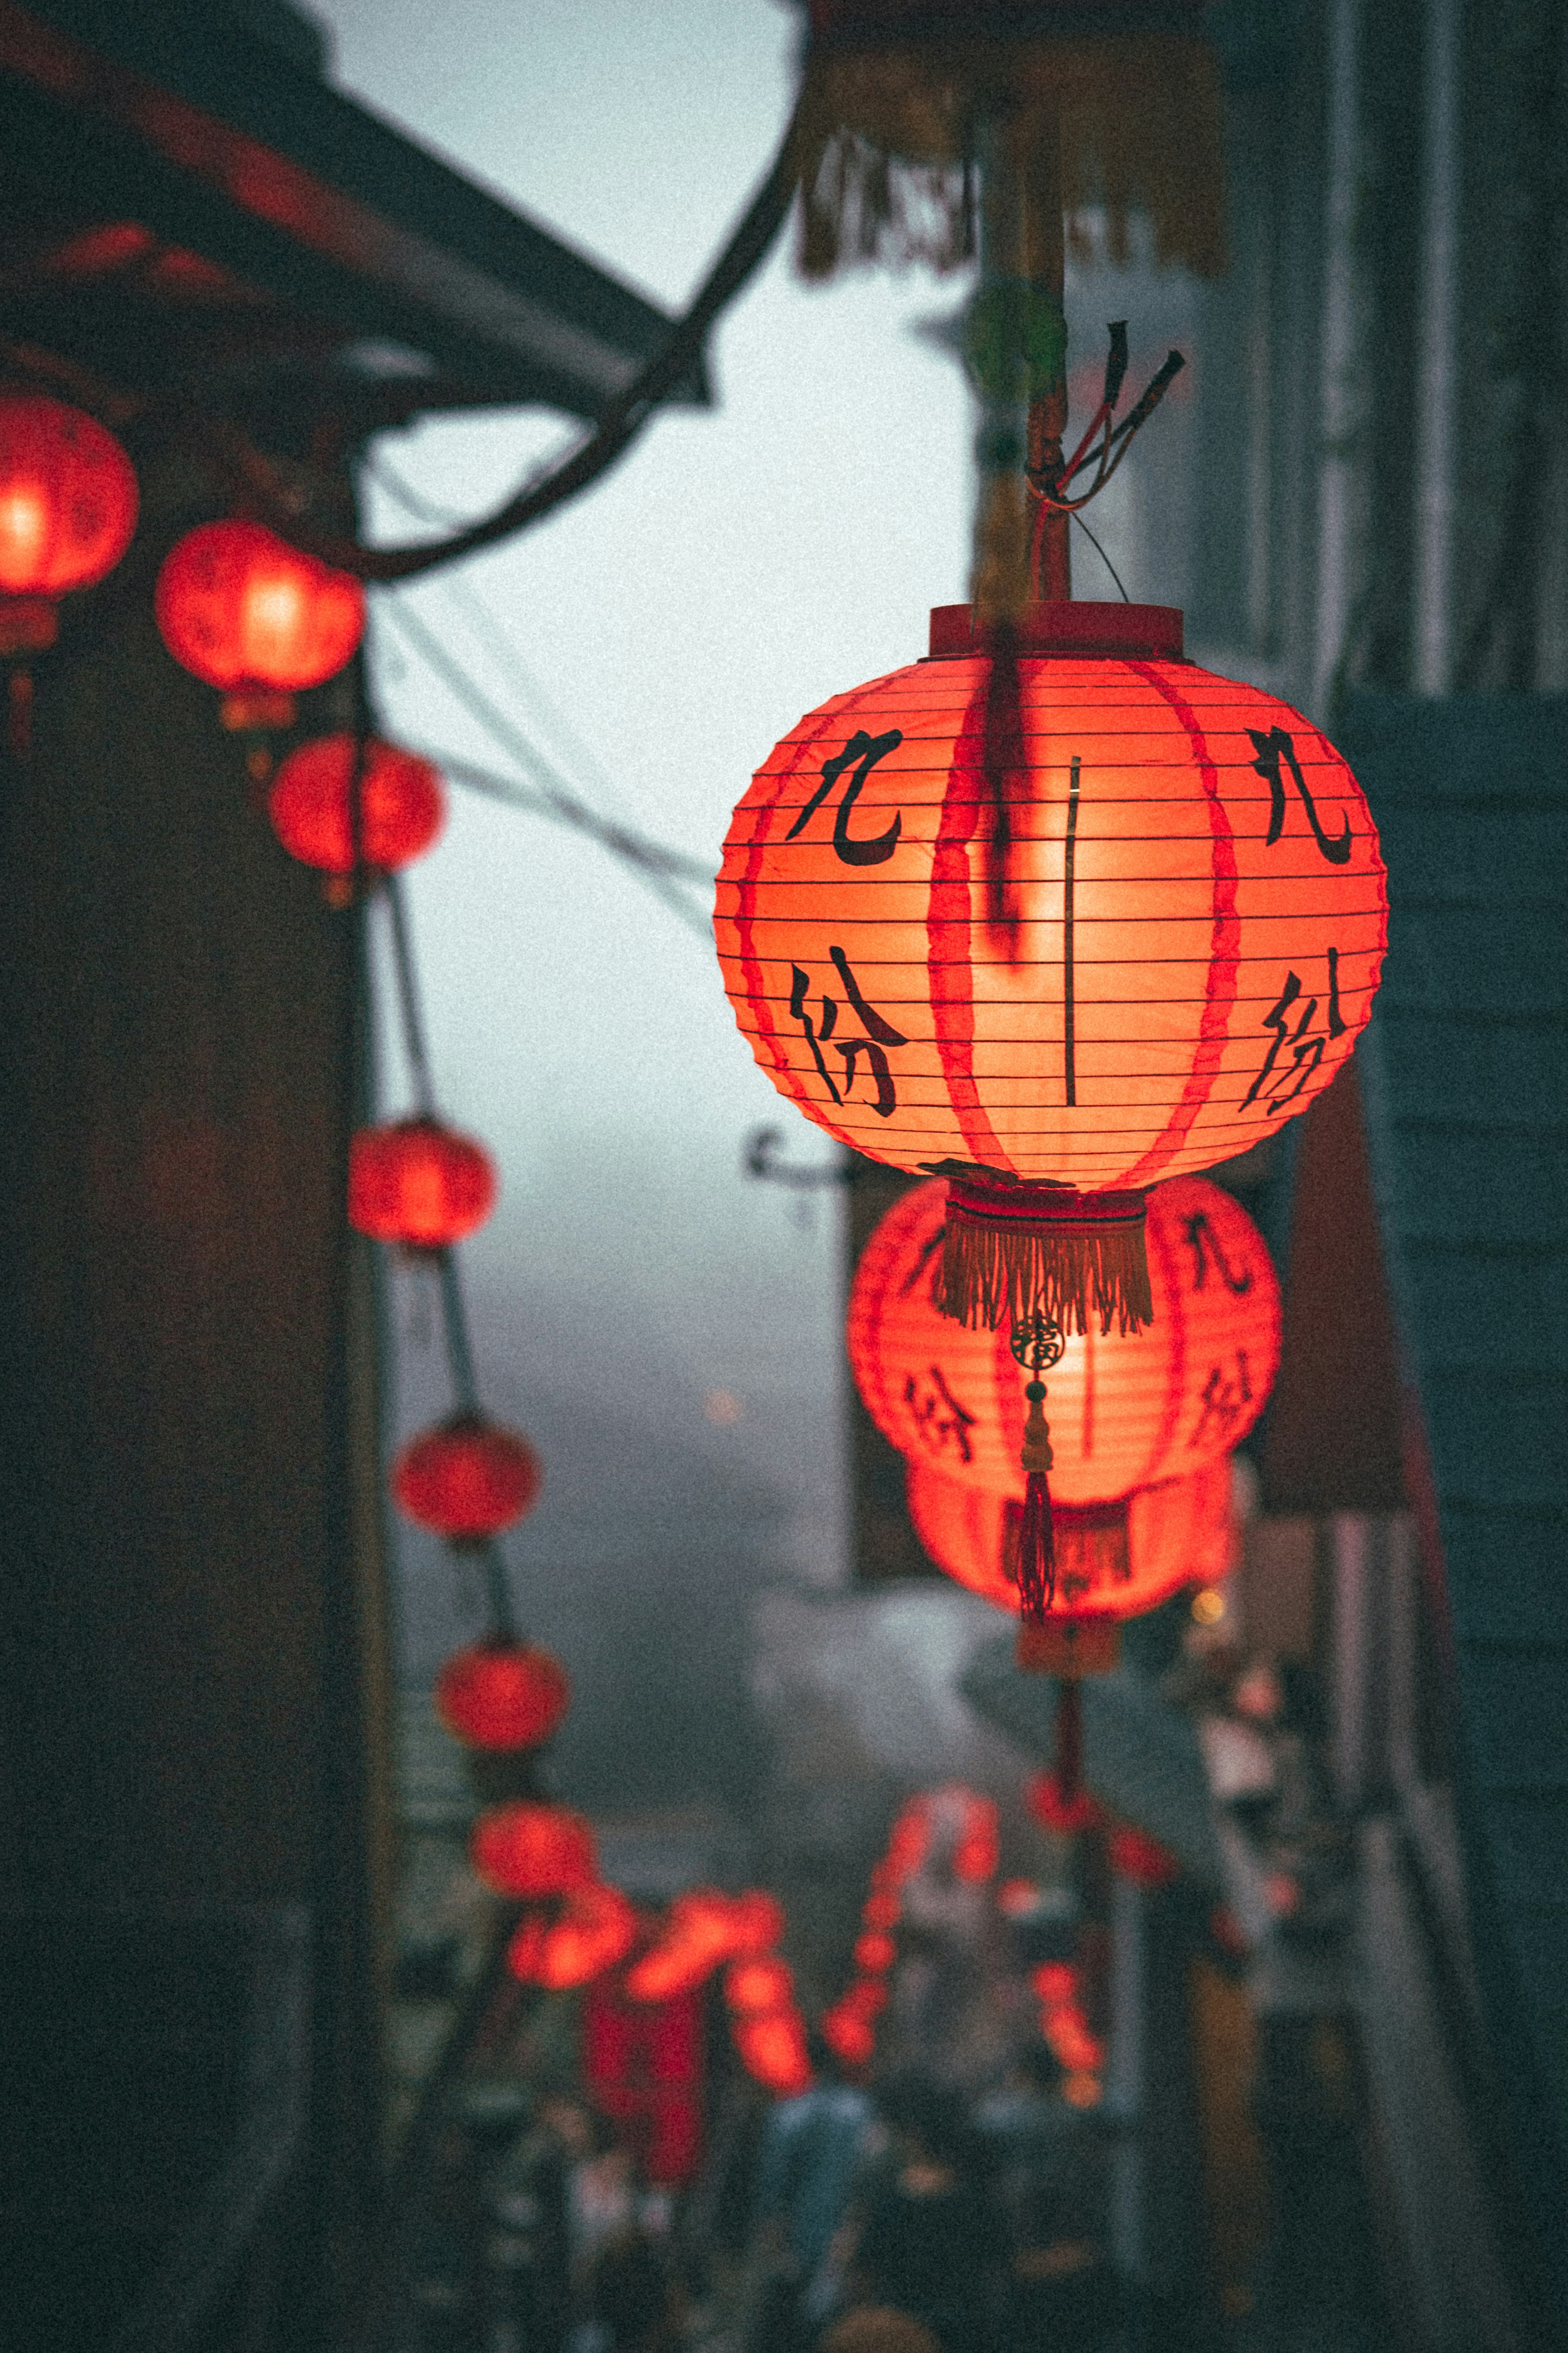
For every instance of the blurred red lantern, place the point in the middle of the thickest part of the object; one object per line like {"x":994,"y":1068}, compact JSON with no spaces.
{"x":1114,"y":1560}
{"x":1066,"y":917}
{"x":528,"y":1849}
{"x":1135,"y":1856}
{"x":907,"y":1841}
{"x":773,"y":2051}
{"x":880,"y":1912}
{"x":250,"y":615}
{"x":1072,"y":2044}
{"x":756,"y":1921}
{"x":850,"y":2035}
{"x":403,"y":804}
{"x":503,"y":1694}
{"x":875,"y":1952}
{"x":1126,"y":1410}
{"x":595,"y":1928}
{"x":699,"y":1934}
{"x":467,"y":1480}
{"x":756,"y":1986}
{"x":1054,"y":1809}
{"x":68,"y":511}
{"x":867,"y":1996}
{"x":1056,"y":1982}
{"x":979,"y":1850}
{"x":418,"y":1183}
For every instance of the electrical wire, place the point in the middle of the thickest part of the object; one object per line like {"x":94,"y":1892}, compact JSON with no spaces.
{"x":664,"y":871}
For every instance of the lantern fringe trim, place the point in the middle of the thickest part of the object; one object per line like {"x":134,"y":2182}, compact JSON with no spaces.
{"x":1089,"y":1542}
{"x":1012,"y":1249}
{"x":885,"y":129}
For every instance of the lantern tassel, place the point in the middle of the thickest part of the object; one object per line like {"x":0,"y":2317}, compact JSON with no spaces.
{"x":1036,"y":1543}
{"x":1012,"y":1249}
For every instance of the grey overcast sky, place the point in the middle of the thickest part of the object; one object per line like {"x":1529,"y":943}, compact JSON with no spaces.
{"x":739,"y":566}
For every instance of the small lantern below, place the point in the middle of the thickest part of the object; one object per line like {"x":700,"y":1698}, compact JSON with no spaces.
{"x":467,"y":1480}
{"x":401,"y":805}
{"x":419,"y":1184}
{"x":258,"y":620}
{"x":502,"y":1695}
{"x":527,"y":1849}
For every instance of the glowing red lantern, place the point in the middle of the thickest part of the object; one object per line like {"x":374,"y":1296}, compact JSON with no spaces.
{"x":1135,"y":1856}
{"x":1059,"y":1810}
{"x":868,"y":1996}
{"x":1061,"y":920}
{"x":1126,"y":1410}
{"x":1112,"y":1561}
{"x":68,"y":511}
{"x":1056,"y":1982}
{"x":503,"y":1694}
{"x":699,"y":1933}
{"x":875,"y":1952}
{"x":756,"y":1922}
{"x":258,"y":620}
{"x":880,"y":1912}
{"x":595,"y":1928}
{"x":756,"y":1986}
{"x":850,"y":2035}
{"x":979,"y":1851}
{"x":528,"y":1849}
{"x":773,"y":2051}
{"x":907,"y":1841}
{"x":401,"y":801}
{"x":419,"y":1184}
{"x":467,"y":1480}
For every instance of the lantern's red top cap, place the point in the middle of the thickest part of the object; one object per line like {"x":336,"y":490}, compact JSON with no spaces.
{"x":1063,"y":627}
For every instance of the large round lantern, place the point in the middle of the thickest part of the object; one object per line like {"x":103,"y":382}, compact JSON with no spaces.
{"x":1058,"y":917}
{"x":68,"y":511}
{"x":402,"y":804}
{"x":1127,"y":1409}
{"x":596,"y":1927}
{"x":467,"y":1480}
{"x":529,"y":1850}
{"x":503,"y":1694}
{"x":258,"y":620}
{"x":1109,"y":1563}
{"x":419,"y":1184}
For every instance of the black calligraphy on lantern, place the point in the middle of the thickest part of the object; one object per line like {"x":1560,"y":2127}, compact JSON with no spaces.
{"x":1223,"y":1400}
{"x":878,"y":1035}
{"x":944,"y":1424}
{"x":1207,"y":1247}
{"x":1292,"y":1021}
{"x":927,"y":1264}
{"x":1275,"y":754}
{"x":861,"y":752}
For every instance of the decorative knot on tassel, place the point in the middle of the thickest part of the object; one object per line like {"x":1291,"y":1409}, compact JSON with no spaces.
{"x":1012,"y":1249}
{"x":1037,"y":1343}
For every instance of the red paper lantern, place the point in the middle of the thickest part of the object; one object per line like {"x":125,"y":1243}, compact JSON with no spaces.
{"x":1073,"y":915}
{"x":880,"y":1912}
{"x":907,"y":1841}
{"x":403,"y":804}
{"x":699,"y":1933}
{"x":527,"y":1848}
{"x":875,"y":1952}
{"x":756,"y":1922}
{"x":249,"y":614}
{"x":1115,"y":1563}
{"x":867,"y":1996}
{"x":596,"y":1927}
{"x":773,"y":2051}
{"x":419,"y":1184}
{"x":503,"y":1694}
{"x":1135,"y":1856}
{"x":1054,"y":1809}
{"x":850,"y":2035}
{"x":68,"y":511}
{"x":1125,"y":1409}
{"x":467,"y":1480}
{"x":757,"y":1986}
{"x":978,"y":1853}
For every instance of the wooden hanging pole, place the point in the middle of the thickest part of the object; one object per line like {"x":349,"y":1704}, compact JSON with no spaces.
{"x":1045,"y":262}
